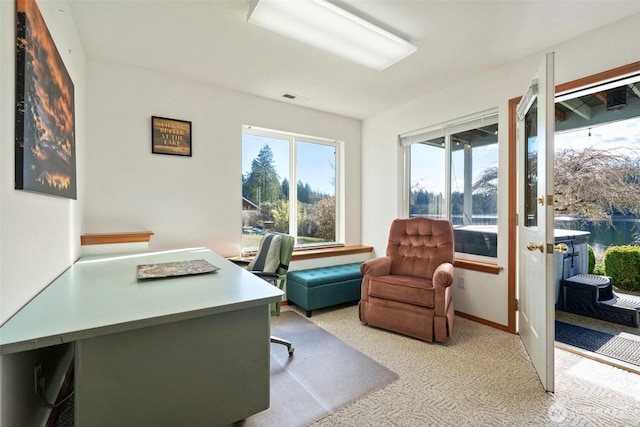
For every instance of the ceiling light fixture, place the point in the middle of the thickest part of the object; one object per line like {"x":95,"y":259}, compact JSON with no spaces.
{"x":324,"y":25}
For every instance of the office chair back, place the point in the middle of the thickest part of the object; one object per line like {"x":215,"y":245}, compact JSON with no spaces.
{"x":279,"y":278}
{"x":286,"y":251}
{"x":271,"y":263}
{"x":287,"y":243}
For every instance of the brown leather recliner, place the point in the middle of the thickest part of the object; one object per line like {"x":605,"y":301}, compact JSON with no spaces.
{"x":407,"y":291}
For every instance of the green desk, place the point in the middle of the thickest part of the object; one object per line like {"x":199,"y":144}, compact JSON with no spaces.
{"x":190,"y":350}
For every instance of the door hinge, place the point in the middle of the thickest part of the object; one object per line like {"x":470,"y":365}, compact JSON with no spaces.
{"x":517,"y":304}
{"x":516,"y":218}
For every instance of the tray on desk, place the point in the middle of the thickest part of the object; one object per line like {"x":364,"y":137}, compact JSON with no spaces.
{"x":174,"y":269}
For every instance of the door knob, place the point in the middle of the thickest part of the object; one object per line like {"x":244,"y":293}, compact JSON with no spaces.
{"x":533,"y":246}
{"x":562,"y":248}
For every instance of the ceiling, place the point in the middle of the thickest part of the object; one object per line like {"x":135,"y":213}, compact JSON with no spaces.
{"x":596,"y":106}
{"x":211,"y":41}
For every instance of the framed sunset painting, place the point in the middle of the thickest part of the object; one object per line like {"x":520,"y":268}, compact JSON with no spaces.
{"x":45,"y":151}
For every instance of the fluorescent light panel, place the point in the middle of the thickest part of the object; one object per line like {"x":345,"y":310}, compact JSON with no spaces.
{"x":326,"y":26}
{"x":634,"y":78}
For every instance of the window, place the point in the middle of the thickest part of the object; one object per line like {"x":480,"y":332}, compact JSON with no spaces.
{"x":452,"y":173}
{"x":427,"y":193}
{"x":279,"y":167}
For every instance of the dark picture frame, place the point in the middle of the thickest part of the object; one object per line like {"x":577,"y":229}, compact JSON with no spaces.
{"x":45,"y":145}
{"x":170,"y":136}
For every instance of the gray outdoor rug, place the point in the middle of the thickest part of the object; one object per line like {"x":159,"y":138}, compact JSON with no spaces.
{"x":323,"y":374}
{"x":618,"y":347}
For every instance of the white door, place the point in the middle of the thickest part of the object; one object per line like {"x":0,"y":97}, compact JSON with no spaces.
{"x":536,"y":290}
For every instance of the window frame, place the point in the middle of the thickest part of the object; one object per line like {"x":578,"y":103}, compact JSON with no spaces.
{"x":444,"y":130}
{"x":292,"y":139}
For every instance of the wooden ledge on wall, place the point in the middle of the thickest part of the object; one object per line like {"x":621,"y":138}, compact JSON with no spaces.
{"x":108,"y":238}
{"x":311,"y":253}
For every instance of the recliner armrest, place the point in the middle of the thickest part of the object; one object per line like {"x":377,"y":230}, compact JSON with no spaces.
{"x":443,"y":276}
{"x":380,"y":266}
{"x":442,"y":280}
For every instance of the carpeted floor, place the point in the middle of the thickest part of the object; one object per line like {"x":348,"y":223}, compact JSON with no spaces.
{"x":482,"y":377}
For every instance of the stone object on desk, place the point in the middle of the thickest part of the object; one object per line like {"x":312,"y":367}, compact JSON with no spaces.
{"x":175,"y":269}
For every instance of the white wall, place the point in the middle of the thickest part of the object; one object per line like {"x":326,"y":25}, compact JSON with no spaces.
{"x":187,"y":201}
{"x":39,"y":234}
{"x":485,"y":295}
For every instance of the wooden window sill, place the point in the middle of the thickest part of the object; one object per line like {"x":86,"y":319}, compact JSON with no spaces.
{"x":477,"y":266}
{"x":301,"y":254}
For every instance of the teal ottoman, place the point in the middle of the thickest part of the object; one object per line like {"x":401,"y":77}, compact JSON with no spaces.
{"x":325,"y":286}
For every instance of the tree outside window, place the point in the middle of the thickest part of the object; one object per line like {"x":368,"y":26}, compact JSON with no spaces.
{"x":279,"y":168}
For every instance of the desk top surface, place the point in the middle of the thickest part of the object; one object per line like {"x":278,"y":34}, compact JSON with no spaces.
{"x":100,"y":295}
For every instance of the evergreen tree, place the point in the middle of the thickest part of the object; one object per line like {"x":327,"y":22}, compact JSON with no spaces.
{"x":304,"y":191}
{"x":262,"y":183}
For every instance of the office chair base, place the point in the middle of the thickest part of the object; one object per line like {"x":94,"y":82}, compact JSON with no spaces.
{"x":284,"y":342}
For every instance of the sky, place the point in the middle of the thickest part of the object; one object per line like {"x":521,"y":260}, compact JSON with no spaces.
{"x":316,"y":162}
{"x":623,"y":136}
{"x":430,"y":173}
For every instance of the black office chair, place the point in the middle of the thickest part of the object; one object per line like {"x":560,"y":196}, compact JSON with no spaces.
{"x":271,"y":264}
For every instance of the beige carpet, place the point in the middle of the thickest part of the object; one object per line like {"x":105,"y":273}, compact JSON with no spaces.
{"x":481,"y":377}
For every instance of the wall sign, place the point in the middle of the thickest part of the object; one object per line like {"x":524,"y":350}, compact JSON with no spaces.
{"x":170,"y":136}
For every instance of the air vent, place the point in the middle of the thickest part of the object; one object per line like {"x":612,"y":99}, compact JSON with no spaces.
{"x":294,"y":97}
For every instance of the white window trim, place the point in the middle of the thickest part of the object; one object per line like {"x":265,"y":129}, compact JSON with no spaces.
{"x":444,"y":129}
{"x":293,"y":187}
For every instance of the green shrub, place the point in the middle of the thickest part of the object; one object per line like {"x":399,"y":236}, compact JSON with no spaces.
{"x":599,"y":269}
{"x":622,"y":264}
{"x":592,"y":259}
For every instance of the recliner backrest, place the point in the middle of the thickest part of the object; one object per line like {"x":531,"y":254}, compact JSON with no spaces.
{"x":417,"y":246}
